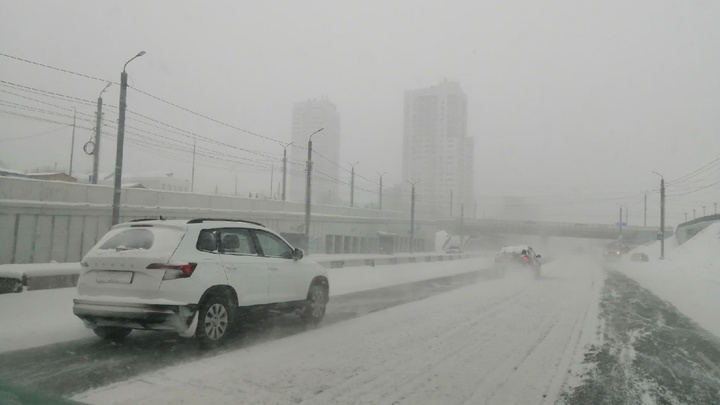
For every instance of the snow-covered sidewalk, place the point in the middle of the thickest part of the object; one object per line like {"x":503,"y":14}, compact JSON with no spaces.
{"x":689,"y":277}
{"x":36,"y":318}
{"x":506,"y":341}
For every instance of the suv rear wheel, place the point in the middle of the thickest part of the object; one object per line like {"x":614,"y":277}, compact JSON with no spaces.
{"x":317,"y":300}
{"x":215,"y":320}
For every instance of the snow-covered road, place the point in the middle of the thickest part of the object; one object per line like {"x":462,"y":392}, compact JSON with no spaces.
{"x":513,"y":340}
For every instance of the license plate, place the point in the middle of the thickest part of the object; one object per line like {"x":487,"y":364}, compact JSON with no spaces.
{"x":115,"y":277}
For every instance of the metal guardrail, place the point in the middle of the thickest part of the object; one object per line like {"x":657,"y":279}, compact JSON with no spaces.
{"x":706,"y":218}
{"x":30,"y":282}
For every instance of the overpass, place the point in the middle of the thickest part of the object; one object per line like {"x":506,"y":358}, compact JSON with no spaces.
{"x":43,"y":221}
{"x":629,"y":234}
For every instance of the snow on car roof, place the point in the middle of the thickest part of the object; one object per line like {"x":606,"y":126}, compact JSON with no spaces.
{"x":514,"y":248}
{"x":183,"y":224}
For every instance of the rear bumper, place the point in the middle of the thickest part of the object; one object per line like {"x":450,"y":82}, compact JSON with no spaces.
{"x":176,"y":318}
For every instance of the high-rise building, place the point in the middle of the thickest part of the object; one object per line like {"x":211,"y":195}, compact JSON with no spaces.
{"x":309,"y":116}
{"x":437,"y":149}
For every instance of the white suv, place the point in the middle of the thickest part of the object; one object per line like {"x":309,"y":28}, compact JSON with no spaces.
{"x":193,"y":277}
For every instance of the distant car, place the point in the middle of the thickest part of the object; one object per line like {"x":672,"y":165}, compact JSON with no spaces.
{"x":639,"y":257}
{"x":612,"y":255}
{"x":519,"y":256}
{"x":194,"y":277}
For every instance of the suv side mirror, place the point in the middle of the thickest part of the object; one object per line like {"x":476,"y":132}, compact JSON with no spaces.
{"x":298,"y":253}
{"x":538,"y":256}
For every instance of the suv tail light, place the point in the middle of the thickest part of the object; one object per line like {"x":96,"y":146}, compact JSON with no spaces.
{"x":525,"y":258}
{"x":174,"y":271}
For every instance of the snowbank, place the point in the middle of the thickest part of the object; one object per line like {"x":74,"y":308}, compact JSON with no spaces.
{"x":689,"y":277}
{"x":39,"y":269}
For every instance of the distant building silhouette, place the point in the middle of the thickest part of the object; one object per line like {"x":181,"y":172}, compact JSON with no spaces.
{"x":437,"y":149}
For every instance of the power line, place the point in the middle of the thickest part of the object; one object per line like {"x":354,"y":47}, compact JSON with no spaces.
{"x":54,"y":68}
{"x":50,"y":94}
{"x":205,"y":116}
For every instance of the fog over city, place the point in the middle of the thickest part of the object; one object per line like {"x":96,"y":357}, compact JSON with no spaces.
{"x":570,"y":104}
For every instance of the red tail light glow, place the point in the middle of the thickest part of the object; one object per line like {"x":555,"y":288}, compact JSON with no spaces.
{"x":181,"y":270}
{"x":525,"y":258}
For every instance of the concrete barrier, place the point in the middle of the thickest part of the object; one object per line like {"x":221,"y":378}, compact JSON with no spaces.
{"x":62,"y":275}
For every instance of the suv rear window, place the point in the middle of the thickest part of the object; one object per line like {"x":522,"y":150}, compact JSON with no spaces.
{"x":130,"y":239}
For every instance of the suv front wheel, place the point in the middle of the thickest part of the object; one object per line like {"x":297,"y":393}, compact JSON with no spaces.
{"x":317,"y":300}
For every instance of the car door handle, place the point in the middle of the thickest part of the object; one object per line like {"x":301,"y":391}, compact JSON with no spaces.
{"x":272,"y":268}
{"x":230,"y":267}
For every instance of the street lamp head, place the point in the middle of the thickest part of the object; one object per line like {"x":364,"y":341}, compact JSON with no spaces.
{"x":106,"y":87}
{"x":661,"y":176}
{"x":311,"y":135}
{"x":141,"y":53}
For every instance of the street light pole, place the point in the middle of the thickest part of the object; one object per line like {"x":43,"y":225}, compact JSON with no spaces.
{"x":308,"y":184}
{"x":72,"y":143}
{"x":381,"y":188}
{"x":662,"y":215}
{"x":412,"y":214}
{"x":192,"y":176}
{"x":284,"y":180}
{"x":98,"y":127}
{"x":703,"y":207}
{"x":352,"y":184}
{"x":120,"y":142}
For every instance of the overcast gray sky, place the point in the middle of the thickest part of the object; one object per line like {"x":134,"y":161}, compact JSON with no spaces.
{"x":572,"y":103}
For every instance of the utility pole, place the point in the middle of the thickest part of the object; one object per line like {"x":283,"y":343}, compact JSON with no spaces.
{"x":703,"y":207}
{"x":462,"y":225}
{"x":284,"y":180}
{"x":381,"y":188}
{"x":272,"y":174}
{"x":308,"y":196}
{"x":352,"y":184}
{"x":192,"y":177}
{"x":662,"y":217}
{"x":627,"y":214}
{"x":645,"y":216}
{"x":412,"y":215}
{"x":120,"y":142}
{"x":661,"y":234}
{"x":72,"y":143}
{"x":98,"y":127}
{"x":451,"y":202}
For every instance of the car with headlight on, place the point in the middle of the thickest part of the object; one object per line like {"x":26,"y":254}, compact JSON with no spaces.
{"x":612,"y":255}
{"x":194,"y":277}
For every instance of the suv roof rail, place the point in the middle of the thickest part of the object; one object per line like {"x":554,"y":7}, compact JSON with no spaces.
{"x":201,"y":220}
{"x":160,"y":218}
